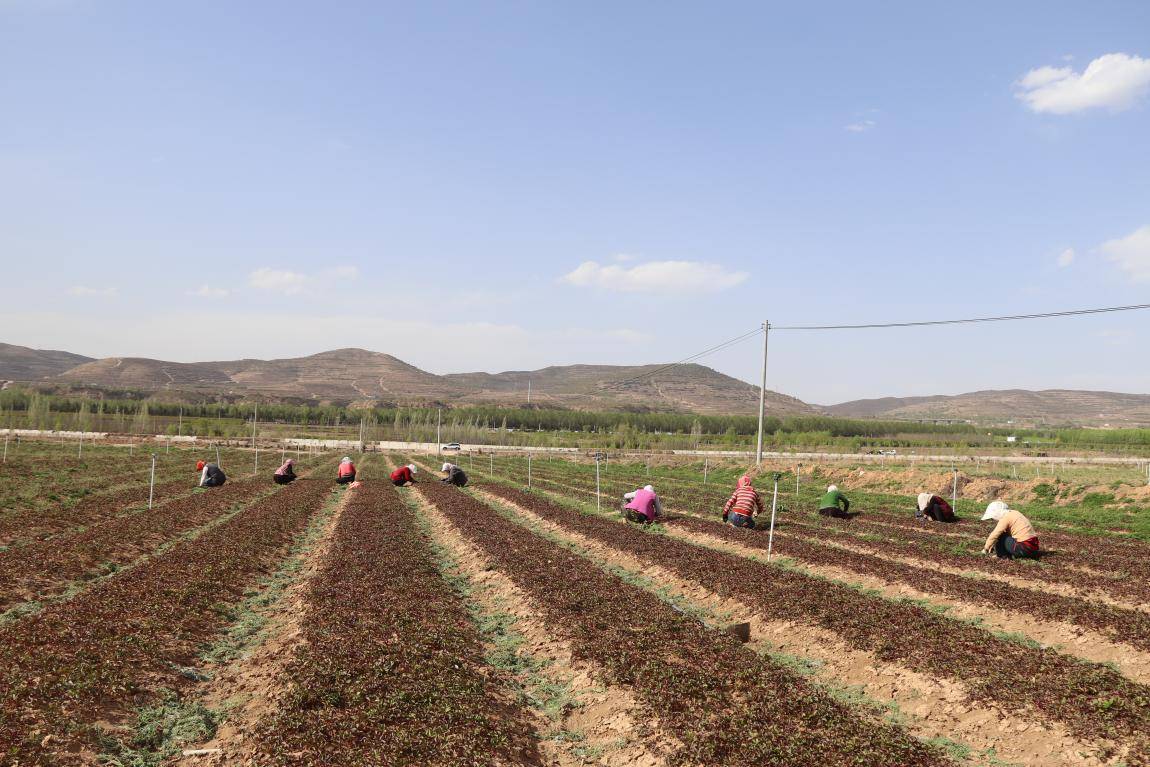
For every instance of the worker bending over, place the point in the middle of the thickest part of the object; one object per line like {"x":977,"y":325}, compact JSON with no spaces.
{"x":642,"y":505}
{"x":285,"y":474}
{"x":743,"y":505}
{"x":455,"y":475}
{"x":834,"y":503}
{"x":211,"y":475}
{"x":345,"y":475}
{"x":1013,"y":537}
{"x":404,"y":475}
{"x":934,"y":508}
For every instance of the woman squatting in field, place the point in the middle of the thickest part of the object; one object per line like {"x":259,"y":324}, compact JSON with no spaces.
{"x":934,"y":509}
{"x":1013,"y":536}
{"x":743,"y":505}
{"x":211,"y":475}
{"x":285,"y":474}
{"x":642,"y":505}
{"x":345,"y":475}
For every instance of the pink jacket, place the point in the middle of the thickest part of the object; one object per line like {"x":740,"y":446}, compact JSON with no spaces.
{"x":644,"y":503}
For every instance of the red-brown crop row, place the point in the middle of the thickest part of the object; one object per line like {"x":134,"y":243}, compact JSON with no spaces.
{"x":1122,"y":579}
{"x":390,"y":670}
{"x":1129,"y":626}
{"x":724,"y":703}
{"x":93,"y":658}
{"x":1093,"y":701}
{"x":41,"y":568}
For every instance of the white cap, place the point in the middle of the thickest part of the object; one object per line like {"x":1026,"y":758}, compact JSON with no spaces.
{"x":345,"y":459}
{"x":446,"y":466}
{"x":413,"y":467}
{"x":996,"y":511}
{"x":649,"y":488}
{"x":924,"y":500}
{"x":832,"y":488}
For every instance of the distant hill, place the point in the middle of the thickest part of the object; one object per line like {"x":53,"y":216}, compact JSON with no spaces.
{"x":345,"y":376}
{"x":357,"y":376}
{"x":20,"y":363}
{"x":1051,"y":407}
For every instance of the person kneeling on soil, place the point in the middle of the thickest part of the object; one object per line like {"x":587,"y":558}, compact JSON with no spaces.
{"x":934,"y":509}
{"x":642,"y":505}
{"x":455,"y":475}
{"x":404,"y":475}
{"x":743,"y":505}
{"x":346,"y":472}
{"x":285,"y":474}
{"x":1013,"y":537}
{"x":834,"y":504}
{"x":210,"y":475}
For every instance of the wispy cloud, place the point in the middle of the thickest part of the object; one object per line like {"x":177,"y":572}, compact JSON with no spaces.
{"x":665,"y":277}
{"x":207,"y":291}
{"x":1131,"y":253}
{"x":278,"y":281}
{"x":289,"y":283}
{"x":90,"y":292}
{"x":1066,"y":258}
{"x":861,"y":126}
{"x":1115,"y":81}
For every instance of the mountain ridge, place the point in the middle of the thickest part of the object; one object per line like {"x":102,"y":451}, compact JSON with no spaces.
{"x":362,"y":377}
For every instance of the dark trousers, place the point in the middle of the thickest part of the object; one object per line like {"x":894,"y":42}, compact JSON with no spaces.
{"x":346,"y":480}
{"x":834,"y":511}
{"x":633,"y":516}
{"x":283,"y":479}
{"x":741,"y":520}
{"x":1008,"y":548}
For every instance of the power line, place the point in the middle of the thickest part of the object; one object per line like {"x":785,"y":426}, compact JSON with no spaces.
{"x":685,"y":360}
{"x":921,"y":323}
{"x":1044,"y":315}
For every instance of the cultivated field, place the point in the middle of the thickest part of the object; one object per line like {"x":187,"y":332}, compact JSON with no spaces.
{"x":504,"y":624}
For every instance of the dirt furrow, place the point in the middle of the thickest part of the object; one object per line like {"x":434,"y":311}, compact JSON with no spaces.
{"x":934,"y":708}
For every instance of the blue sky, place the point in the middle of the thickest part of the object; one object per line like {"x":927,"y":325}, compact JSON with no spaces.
{"x":492,"y":186}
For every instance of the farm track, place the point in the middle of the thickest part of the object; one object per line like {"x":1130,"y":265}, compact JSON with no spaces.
{"x":1095,"y":702}
{"x":933,"y":710}
{"x":696,"y":679}
{"x":43,"y":569}
{"x":96,"y":657}
{"x":389,"y":669}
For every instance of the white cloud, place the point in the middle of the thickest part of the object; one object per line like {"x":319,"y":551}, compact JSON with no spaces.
{"x":90,"y":292}
{"x":1131,"y":253}
{"x":1115,"y":81}
{"x":1066,"y":258}
{"x":665,"y":277}
{"x":207,"y":291}
{"x":860,"y":126}
{"x":278,"y":281}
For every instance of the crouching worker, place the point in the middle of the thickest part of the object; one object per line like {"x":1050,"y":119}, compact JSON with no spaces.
{"x":404,"y":475}
{"x":285,"y":474}
{"x":743,"y":505}
{"x":455,"y":475}
{"x":834,"y":504}
{"x":934,"y":508}
{"x":211,"y":475}
{"x":1013,"y":537}
{"x":345,"y":475}
{"x":642,"y":505}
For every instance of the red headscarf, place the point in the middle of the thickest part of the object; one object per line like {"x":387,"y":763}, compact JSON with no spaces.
{"x":200,"y":465}
{"x":744,"y":481}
